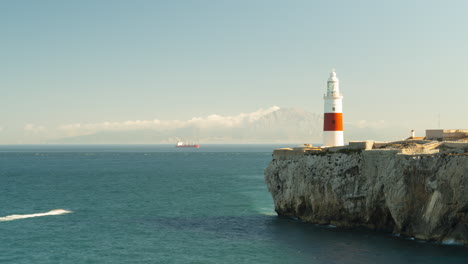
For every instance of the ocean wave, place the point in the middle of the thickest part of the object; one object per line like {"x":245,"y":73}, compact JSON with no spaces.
{"x":23,"y":216}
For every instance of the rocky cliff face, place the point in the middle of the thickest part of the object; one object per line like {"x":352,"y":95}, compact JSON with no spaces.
{"x":420,"y":195}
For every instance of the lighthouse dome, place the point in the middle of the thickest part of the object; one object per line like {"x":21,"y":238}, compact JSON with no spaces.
{"x":333,"y":77}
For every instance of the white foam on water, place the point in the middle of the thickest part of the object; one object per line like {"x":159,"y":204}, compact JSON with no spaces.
{"x":16,"y":217}
{"x":451,"y":241}
{"x":268,"y":213}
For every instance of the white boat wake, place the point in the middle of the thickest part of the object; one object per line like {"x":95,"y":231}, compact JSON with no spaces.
{"x":16,"y":217}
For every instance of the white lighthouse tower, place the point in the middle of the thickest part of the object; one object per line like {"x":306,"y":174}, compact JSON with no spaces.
{"x":333,"y":114}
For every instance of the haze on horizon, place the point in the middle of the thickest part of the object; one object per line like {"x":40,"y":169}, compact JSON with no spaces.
{"x":77,"y":68}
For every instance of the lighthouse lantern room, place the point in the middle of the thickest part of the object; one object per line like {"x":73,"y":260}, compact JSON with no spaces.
{"x":333,"y":114}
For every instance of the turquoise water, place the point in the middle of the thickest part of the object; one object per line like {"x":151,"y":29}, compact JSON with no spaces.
{"x":158,"y":204}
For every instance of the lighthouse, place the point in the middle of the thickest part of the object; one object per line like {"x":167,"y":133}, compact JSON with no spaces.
{"x":333,"y":114}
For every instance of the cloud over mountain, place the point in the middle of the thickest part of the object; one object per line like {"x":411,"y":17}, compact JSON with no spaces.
{"x":271,"y":125}
{"x":211,"y":121}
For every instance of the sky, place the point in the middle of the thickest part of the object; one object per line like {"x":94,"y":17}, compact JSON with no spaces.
{"x":63,"y":63}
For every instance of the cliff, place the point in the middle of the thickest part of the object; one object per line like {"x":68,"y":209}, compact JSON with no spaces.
{"x":417,"y":189}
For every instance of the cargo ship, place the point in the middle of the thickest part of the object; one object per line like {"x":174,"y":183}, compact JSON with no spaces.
{"x":181,"y":144}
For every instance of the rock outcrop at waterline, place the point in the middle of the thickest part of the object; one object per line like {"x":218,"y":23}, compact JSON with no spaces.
{"x":417,"y":189}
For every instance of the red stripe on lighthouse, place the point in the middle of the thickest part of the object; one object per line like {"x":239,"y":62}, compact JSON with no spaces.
{"x":333,"y":122}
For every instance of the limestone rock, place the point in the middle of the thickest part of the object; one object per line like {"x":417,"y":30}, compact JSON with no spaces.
{"x":423,"y":196}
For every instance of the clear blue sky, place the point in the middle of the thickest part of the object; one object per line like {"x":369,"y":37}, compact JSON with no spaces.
{"x":93,"y":61}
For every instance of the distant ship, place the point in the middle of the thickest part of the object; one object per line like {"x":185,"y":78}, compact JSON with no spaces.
{"x":181,"y":144}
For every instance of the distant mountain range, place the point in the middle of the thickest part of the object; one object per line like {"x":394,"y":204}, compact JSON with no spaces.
{"x":285,"y":125}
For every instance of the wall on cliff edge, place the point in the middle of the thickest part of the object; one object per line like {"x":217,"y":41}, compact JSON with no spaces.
{"x":422,"y":196}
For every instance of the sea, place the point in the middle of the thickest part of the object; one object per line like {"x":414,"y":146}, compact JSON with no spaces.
{"x":160,"y":204}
